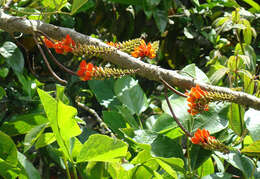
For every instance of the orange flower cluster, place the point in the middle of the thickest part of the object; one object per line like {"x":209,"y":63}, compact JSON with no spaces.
{"x":61,"y":47}
{"x":202,"y":137}
{"x":197,"y":100}
{"x":113,"y":44}
{"x":144,"y":50}
{"x":85,"y":71}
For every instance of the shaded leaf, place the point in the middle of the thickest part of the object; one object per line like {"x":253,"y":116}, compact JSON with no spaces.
{"x":252,"y":123}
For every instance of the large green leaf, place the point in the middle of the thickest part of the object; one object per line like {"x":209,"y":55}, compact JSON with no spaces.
{"x":167,"y":168}
{"x":253,"y":123}
{"x":7,"y":170}
{"x":102,"y":148}
{"x":67,"y":124}
{"x":8,"y":151}
{"x":30,"y":170}
{"x":13,"y":56}
{"x":193,"y":71}
{"x":218,"y":176}
{"x":103,"y":90}
{"x":23,"y":123}
{"x":115,"y":121}
{"x":165,"y":147}
{"x":214,"y":120}
{"x":236,"y":118}
{"x":51,"y":109}
{"x":131,"y":94}
{"x":253,"y":149}
{"x":77,"y":4}
{"x":239,"y":161}
{"x":160,"y":123}
{"x":198,"y":156}
{"x":254,"y":4}
{"x":206,"y":168}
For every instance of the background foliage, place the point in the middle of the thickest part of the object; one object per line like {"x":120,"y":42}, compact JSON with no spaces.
{"x":44,"y":130}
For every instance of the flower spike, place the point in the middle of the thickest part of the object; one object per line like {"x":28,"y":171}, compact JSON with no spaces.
{"x":203,"y":138}
{"x":144,"y":51}
{"x":88,"y":71}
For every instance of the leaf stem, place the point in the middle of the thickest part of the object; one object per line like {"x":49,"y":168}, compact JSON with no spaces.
{"x":67,"y":167}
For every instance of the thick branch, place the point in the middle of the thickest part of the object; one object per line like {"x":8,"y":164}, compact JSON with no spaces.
{"x":12,"y":24}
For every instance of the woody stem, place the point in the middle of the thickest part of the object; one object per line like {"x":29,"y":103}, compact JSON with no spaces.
{"x":174,"y":116}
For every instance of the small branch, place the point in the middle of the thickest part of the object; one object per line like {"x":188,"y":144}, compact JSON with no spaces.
{"x":173,"y":89}
{"x":56,"y":61}
{"x":99,"y":120}
{"x":152,"y":72}
{"x":174,"y":116}
{"x":47,"y":63}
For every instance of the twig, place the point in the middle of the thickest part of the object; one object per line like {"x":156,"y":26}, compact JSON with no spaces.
{"x":47,"y":63}
{"x":99,"y":120}
{"x":56,"y":61}
{"x":174,"y":116}
{"x":171,"y":88}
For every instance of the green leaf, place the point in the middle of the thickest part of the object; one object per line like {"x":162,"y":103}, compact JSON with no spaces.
{"x":103,"y":90}
{"x":67,"y":124}
{"x":162,"y":147}
{"x":30,"y":170}
{"x":176,"y":164}
{"x":214,"y":120}
{"x":61,"y":95}
{"x":116,"y":170}
{"x":193,"y":71}
{"x":23,"y":123}
{"x":2,"y":92}
{"x":128,"y":117}
{"x":131,"y":94}
{"x":253,"y":123}
{"x":54,"y":4}
{"x":45,"y":139}
{"x":8,"y":170}
{"x":53,"y":114}
{"x":160,"y":123}
{"x":4,"y":72}
{"x":206,"y":168}
{"x":33,"y":135}
{"x":252,"y":150}
{"x":250,"y":52}
{"x":115,"y":121}
{"x":254,"y":4}
{"x":198,"y":156}
{"x":248,"y":80}
{"x":142,"y":157}
{"x":8,"y":151}
{"x":236,"y":118}
{"x":239,"y":161}
{"x":77,"y":4}
{"x":167,"y":168}
{"x":161,"y":19}
{"x":218,"y":75}
{"x":14,"y":57}
{"x":102,"y":148}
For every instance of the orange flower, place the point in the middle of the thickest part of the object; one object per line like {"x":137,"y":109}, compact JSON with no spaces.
{"x":48,"y":43}
{"x":144,"y":51}
{"x":202,"y":137}
{"x":113,"y":44}
{"x":197,"y":100}
{"x":85,"y":71}
{"x":64,"y":46}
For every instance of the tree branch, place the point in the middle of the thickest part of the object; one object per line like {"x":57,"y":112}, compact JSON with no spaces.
{"x":12,"y":24}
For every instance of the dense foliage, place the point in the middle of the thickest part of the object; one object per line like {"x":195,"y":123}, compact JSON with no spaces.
{"x":90,"y":125}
